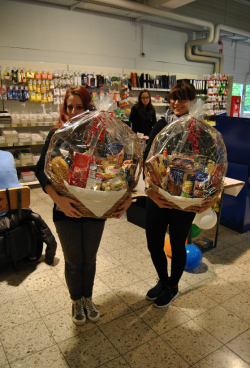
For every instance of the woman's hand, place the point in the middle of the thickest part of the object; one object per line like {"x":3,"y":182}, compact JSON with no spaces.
{"x":158,"y":199}
{"x":65,"y":204}
{"x":123,"y":208}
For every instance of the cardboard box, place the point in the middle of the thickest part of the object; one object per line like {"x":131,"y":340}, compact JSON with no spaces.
{"x":136,"y":213}
{"x":203,"y":243}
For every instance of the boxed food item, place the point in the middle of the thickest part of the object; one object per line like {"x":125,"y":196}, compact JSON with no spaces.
{"x":26,"y":175}
{"x":24,"y":118}
{"x":33,"y":118}
{"x":24,"y":137}
{"x":2,"y":139}
{"x":16,"y":118}
{"x":203,"y":243}
{"x":40,"y":118}
{"x":55,"y":116}
{"x":44,"y":133}
{"x":35,"y":137}
{"x":25,"y":156}
{"x":11,"y":136}
{"x":48,"y":118}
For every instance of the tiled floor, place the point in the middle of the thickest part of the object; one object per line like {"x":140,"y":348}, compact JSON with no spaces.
{"x":208,"y":326}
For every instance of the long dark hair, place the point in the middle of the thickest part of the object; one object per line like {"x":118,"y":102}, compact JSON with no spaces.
{"x":86,"y":102}
{"x":139,"y":103}
{"x":182,"y":90}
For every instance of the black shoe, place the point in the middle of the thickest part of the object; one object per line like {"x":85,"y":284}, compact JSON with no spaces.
{"x":166,"y":297}
{"x":153,"y":293}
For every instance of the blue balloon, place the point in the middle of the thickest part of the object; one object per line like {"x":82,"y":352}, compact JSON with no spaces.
{"x":194,"y":257}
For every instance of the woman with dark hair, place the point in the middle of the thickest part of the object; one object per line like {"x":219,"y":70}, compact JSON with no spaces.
{"x":142,"y":114}
{"x":80,"y":237}
{"x":160,"y":214}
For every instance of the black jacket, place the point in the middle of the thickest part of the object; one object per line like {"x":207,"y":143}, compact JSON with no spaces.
{"x":142,"y":123}
{"x":40,"y":230}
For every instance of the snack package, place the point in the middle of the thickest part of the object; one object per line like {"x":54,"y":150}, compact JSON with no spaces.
{"x":93,"y":158}
{"x":196,"y":161}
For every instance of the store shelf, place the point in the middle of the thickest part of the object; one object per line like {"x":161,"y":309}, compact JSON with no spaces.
{"x":30,"y":183}
{"x":153,"y":103}
{"x":26,"y":125}
{"x":150,"y":89}
{"x":25,"y":165}
{"x":20,"y":144}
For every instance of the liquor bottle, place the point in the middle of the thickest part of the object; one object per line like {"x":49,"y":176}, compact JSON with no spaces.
{"x":165,"y":158}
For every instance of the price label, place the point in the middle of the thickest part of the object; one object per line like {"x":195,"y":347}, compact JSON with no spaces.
{"x":24,"y":125}
{"x":24,"y":164}
{"x":32,"y":124}
{"x":14,"y":125}
{"x":33,"y":143}
{"x":1,"y":125}
{"x":20,"y":143}
{"x":46,"y":124}
{"x":10,"y":144}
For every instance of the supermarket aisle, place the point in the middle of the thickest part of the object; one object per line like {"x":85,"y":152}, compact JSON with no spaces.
{"x":207,"y":326}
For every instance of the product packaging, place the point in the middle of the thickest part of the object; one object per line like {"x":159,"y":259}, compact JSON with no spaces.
{"x":95,"y":159}
{"x":196,"y":161}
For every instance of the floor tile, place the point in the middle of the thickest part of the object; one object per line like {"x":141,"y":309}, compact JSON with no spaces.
{"x":47,"y":358}
{"x":90,"y":349}
{"x":11,"y":290}
{"x":116,"y":363}
{"x":127,"y":332}
{"x":153,"y":354}
{"x":100,"y":287}
{"x":135,"y":237}
{"x":106,"y":262}
{"x":191,"y":341}
{"x":41,"y":281}
{"x":26,"y":339}
{"x":61,"y":326}
{"x":118,"y":277}
{"x":222,"y":324}
{"x":112,"y":243}
{"x":223,"y":358}
{"x":134,"y":295}
{"x":195,"y":277}
{"x":218,"y":289}
{"x":51,"y":300}
{"x":194,"y":303}
{"x":110,"y":307}
{"x":237,"y":276}
{"x":3,"y":358}
{"x":122,"y":228}
{"x":241,"y":345}
{"x":128,"y":254}
{"x":164,"y":319}
{"x":240,"y":306}
{"x":16,"y":312}
{"x":143,"y":268}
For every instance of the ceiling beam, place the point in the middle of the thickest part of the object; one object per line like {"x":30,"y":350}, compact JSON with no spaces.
{"x":172,"y":4}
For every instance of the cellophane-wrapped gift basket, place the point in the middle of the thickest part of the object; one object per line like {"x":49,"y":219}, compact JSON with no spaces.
{"x":187,"y":161}
{"x":96,"y":160}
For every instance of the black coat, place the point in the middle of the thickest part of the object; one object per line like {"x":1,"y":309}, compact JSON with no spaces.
{"x":142,"y":121}
{"x":40,"y":229}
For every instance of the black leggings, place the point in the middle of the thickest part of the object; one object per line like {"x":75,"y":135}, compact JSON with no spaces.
{"x":157,"y":221}
{"x":80,"y":242}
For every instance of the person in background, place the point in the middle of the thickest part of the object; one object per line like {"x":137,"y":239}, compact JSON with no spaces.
{"x":8,"y":174}
{"x":160,"y":214}
{"x":142,"y":115}
{"x":80,"y":237}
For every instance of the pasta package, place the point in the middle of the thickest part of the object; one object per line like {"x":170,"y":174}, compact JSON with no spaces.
{"x":196,"y":160}
{"x":93,"y":158}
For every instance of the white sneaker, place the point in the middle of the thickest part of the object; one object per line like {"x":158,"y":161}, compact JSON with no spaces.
{"x":90,"y":309}
{"x":78,"y":315}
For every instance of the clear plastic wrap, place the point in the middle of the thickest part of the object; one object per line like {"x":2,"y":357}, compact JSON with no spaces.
{"x":187,"y":160}
{"x":95,"y":159}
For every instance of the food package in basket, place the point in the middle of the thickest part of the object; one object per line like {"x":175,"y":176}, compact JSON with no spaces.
{"x":187,"y":161}
{"x":95,"y":159}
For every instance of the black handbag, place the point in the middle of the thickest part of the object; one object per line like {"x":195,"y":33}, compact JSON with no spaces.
{"x":19,"y":238}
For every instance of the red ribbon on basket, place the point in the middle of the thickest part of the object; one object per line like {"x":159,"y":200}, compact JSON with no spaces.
{"x":192,"y":137}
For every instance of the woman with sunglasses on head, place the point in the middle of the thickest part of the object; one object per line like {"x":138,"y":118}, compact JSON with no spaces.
{"x":143,"y":116}
{"x":160,"y":214}
{"x":80,"y":237}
